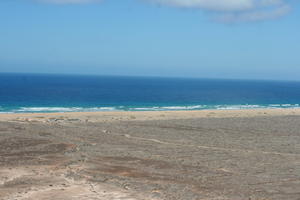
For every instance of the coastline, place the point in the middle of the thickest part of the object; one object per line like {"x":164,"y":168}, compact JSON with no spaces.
{"x":153,"y":155}
{"x":147,"y":115}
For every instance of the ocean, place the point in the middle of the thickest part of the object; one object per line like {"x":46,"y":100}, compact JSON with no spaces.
{"x":30,"y":93}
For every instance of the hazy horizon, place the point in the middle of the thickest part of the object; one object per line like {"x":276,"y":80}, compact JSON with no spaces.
{"x":146,"y":76}
{"x":247,"y":39}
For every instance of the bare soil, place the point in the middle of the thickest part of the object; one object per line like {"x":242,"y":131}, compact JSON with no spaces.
{"x":231,"y":158}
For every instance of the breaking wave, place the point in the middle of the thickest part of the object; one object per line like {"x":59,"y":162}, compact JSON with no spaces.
{"x":63,"y":109}
{"x":146,"y":108}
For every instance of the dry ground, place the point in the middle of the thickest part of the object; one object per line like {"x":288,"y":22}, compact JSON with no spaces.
{"x":138,"y":156}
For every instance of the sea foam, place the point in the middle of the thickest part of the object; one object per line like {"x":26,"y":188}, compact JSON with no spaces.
{"x":146,"y":108}
{"x":63,"y":109}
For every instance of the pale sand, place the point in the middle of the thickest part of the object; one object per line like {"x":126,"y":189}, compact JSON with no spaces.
{"x":144,"y":115}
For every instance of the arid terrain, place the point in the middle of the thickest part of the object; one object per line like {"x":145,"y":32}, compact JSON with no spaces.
{"x":184,"y":155}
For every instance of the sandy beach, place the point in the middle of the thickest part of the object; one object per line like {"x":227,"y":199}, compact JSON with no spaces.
{"x":159,"y":155}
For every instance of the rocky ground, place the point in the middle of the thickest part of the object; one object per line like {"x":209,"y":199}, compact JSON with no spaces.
{"x":217,"y":158}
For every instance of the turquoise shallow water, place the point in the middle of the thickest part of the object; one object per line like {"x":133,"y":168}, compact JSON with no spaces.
{"x":69,"y":93}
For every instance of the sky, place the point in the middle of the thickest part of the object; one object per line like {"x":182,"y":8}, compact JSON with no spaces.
{"x":239,"y":39}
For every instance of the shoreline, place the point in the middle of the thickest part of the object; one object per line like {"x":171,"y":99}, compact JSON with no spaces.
{"x":62,"y":109}
{"x":153,"y":155}
{"x":101,"y":116}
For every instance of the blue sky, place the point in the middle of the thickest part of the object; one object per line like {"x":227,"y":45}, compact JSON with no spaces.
{"x":245,"y":39}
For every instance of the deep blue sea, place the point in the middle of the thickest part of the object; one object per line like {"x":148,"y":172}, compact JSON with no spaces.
{"x":67,"y":93}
